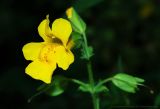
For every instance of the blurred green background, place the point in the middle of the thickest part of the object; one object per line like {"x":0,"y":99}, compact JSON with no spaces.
{"x":126,"y":28}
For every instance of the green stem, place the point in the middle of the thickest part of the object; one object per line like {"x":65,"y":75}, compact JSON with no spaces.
{"x":85,"y":39}
{"x":86,"y":46}
{"x":95,"y":98}
{"x":90,"y":73}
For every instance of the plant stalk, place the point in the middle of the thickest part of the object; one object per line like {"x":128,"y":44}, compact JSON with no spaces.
{"x":95,"y":98}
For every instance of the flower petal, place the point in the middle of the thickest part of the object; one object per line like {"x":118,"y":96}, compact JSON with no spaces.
{"x":45,"y":31}
{"x":31,"y":50}
{"x":69,"y":12}
{"x":64,"y":57}
{"x":62,"y":29}
{"x":41,"y":71}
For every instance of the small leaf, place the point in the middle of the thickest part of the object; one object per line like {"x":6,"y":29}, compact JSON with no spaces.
{"x":76,"y":36}
{"x":139,"y":79}
{"x":54,"y":90}
{"x":87,"y":52}
{"x":127,"y":82}
{"x":78,"y":82}
{"x":77,"y":39}
{"x":90,"y":51}
{"x":84,"y":87}
{"x":100,"y":88}
{"x":56,"y":87}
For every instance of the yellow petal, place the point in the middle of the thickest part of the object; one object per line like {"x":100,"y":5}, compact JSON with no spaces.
{"x":40,"y":71}
{"x":62,"y":29}
{"x":31,"y":50}
{"x":69,"y":12}
{"x":45,"y":31}
{"x":64,"y":57}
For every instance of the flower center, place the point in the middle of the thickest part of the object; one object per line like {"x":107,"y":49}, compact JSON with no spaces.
{"x":57,"y":41}
{"x":47,"y":53}
{"x":54,"y":39}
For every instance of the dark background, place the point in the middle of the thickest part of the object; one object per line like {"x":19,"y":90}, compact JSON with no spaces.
{"x":126,"y":28}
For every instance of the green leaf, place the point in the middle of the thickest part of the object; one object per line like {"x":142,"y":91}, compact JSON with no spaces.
{"x":56,"y":87}
{"x":77,"y":38}
{"x":127,"y":82}
{"x":78,"y":82}
{"x":139,"y":79}
{"x":90,"y":51}
{"x":55,"y":91}
{"x":84,"y":87}
{"x":100,"y":88}
{"x":87,"y":52}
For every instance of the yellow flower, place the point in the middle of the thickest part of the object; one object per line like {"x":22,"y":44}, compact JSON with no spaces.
{"x":55,"y":50}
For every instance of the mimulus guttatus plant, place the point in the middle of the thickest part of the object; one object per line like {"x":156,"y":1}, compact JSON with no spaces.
{"x":54,"y":51}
